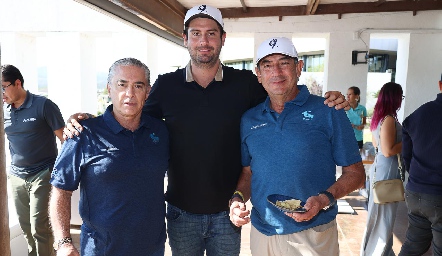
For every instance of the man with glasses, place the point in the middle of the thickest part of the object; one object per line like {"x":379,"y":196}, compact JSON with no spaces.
{"x":31,"y":124}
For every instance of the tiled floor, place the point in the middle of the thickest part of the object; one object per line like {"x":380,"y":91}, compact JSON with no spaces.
{"x":350,"y":228}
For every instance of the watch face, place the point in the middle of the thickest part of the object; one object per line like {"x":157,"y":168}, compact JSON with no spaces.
{"x":55,"y":245}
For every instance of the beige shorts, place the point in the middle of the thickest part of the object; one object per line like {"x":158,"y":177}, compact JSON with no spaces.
{"x":318,"y":241}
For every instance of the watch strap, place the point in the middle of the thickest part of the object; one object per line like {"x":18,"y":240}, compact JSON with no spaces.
{"x":239,"y":194}
{"x":64,"y":240}
{"x":330,"y":197}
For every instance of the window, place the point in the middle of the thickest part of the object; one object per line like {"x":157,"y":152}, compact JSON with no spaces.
{"x":378,"y":62}
{"x":240,"y":64}
{"x":313,"y":63}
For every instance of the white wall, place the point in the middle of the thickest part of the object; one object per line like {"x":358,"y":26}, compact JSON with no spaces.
{"x":424,"y":70}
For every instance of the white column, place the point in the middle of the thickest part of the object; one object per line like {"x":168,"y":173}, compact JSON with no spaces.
{"x":402,"y":66}
{"x":72,"y":81}
{"x":339,"y":73}
{"x":20,"y":50}
{"x":418,"y":69}
{"x":153,"y":52}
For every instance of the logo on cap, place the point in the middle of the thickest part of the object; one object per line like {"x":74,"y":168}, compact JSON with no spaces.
{"x":272,"y":42}
{"x":202,"y":8}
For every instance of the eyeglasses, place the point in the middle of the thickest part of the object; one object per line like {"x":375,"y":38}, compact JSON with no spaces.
{"x":4,"y":87}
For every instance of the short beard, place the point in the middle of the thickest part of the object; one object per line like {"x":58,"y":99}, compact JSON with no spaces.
{"x":204,"y":61}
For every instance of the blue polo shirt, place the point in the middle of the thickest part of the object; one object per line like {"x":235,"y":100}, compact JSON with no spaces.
{"x":296,"y":155}
{"x":30,"y":131}
{"x":355,"y":115}
{"x":122,"y":184}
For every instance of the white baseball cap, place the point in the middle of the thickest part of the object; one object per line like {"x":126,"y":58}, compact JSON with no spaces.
{"x":204,"y":11}
{"x":273,"y":45}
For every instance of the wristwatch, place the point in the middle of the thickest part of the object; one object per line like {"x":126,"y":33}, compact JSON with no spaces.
{"x":330,"y":197}
{"x":59,"y":243}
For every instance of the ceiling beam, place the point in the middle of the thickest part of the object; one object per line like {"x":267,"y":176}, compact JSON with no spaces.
{"x":244,"y":6}
{"x":337,"y":8}
{"x":165,"y":13}
{"x":311,"y":7}
{"x":380,"y":2}
{"x":165,"y":17}
{"x":175,"y":6}
{"x":388,"y":6}
{"x":118,"y":11}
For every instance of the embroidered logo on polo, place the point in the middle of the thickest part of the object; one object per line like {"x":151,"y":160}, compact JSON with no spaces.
{"x":32,"y":119}
{"x":307,"y":115}
{"x":258,"y":126}
{"x":155,"y":139}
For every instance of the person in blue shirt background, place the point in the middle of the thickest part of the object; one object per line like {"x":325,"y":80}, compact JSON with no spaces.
{"x":357,"y":114}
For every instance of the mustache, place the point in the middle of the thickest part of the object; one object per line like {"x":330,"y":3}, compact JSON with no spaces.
{"x":277,"y":79}
{"x":205,"y":48}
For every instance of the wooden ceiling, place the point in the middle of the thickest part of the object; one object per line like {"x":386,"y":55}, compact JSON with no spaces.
{"x":165,"y":17}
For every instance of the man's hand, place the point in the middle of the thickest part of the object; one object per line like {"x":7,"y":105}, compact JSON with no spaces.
{"x":73,"y":127}
{"x":67,"y":250}
{"x":336,"y":99}
{"x":239,"y":215}
{"x":313,"y":205}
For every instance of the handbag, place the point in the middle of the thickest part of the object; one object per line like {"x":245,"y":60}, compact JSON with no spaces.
{"x":388,"y":191}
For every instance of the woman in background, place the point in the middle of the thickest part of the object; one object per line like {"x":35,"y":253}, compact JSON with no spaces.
{"x":387,"y":137}
{"x":357,"y":114}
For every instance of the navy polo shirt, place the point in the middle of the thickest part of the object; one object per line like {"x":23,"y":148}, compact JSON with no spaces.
{"x":30,"y":131}
{"x":295,"y":155}
{"x":121,"y":176}
{"x":203,"y":124}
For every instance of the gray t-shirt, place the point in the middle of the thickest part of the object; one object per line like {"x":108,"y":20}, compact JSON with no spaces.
{"x":30,"y":131}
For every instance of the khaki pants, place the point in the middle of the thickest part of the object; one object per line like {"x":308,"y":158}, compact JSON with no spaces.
{"x":318,"y":241}
{"x":31,"y":199}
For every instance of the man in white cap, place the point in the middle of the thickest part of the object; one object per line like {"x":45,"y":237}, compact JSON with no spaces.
{"x":291,"y":144}
{"x":202,"y":105}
